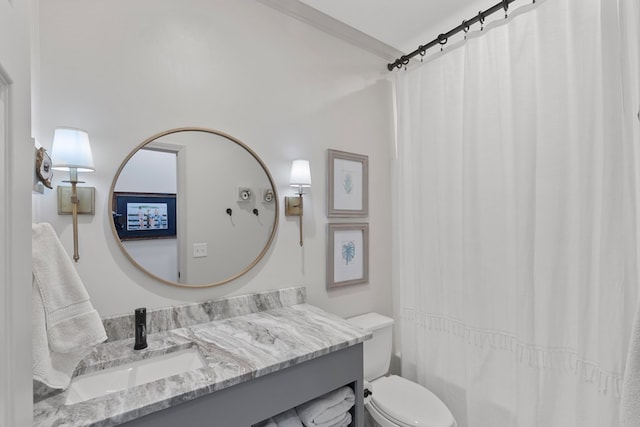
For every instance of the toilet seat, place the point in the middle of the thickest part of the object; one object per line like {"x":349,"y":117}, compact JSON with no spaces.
{"x":408,"y":404}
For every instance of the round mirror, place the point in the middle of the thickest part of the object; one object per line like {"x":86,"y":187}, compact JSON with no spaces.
{"x":193,"y":207}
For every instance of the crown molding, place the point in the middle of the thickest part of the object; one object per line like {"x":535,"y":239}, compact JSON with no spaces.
{"x":332,"y":26}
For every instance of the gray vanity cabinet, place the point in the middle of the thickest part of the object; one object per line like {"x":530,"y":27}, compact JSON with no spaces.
{"x":252,"y":401}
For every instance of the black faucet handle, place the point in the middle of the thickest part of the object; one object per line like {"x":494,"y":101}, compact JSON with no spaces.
{"x":140,"y":326}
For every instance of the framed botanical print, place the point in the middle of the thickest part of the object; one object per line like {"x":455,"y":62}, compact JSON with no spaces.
{"x":348,"y":184}
{"x":347,"y":254}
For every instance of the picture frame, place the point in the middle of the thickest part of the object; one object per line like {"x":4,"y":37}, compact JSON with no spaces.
{"x":144,"y":215}
{"x":348,"y":184}
{"x":347,"y":254}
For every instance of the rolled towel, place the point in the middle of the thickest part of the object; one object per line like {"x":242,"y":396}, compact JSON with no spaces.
{"x":344,"y":421}
{"x":266,"y":423}
{"x":65,"y":324}
{"x":288,"y":419}
{"x":327,"y":410}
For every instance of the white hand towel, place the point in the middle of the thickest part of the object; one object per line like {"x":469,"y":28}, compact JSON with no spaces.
{"x":65,"y":324}
{"x":328,"y":409}
{"x":288,"y":419}
{"x":630,"y":398}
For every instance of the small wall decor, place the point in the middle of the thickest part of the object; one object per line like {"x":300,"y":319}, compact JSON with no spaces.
{"x":144,"y":215}
{"x":348,"y":184}
{"x":44,"y":171}
{"x":347,"y":254}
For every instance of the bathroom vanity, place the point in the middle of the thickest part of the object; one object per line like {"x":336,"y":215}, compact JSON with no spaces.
{"x":263,"y":354}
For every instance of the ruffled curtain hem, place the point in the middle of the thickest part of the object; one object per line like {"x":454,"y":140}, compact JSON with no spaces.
{"x":536,"y":356}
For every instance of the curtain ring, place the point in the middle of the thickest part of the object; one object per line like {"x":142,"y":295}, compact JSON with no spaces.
{"x":442,"y":40}
{"x":505,"y":6}
{"x":404,"y":60}
{"x":465,"y":28}
{"x":481,"y":19}
{"x":422,"y":50}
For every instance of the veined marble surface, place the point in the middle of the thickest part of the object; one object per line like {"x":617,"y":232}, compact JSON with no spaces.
{"x":165,"y":319}
{"x":236,"y":349}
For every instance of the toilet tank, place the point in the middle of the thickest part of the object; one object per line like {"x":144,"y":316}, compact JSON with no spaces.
{"x":377,"y":350}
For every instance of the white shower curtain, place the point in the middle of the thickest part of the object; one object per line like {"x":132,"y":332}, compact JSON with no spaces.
{"x":517,"y":218}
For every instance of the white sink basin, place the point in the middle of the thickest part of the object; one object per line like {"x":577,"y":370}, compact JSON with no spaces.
{"x":121,"y":377}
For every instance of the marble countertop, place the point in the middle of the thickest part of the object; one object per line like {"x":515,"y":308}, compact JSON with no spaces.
{"x":236,"y":349}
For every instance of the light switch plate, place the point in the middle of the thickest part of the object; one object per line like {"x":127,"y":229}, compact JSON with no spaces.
{"x":86,"y":200}
{"x":199,"y":250}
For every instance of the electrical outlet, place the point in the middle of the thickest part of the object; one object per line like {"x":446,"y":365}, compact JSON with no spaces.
{"x":244,"y":194}
{"x":199,"y":250}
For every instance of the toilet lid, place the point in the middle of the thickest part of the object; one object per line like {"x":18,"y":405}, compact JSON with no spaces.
{"x":409,"y":404}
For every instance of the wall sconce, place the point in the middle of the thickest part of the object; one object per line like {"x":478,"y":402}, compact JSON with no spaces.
{"x":71,"y":152}
{"x":301,"y":178}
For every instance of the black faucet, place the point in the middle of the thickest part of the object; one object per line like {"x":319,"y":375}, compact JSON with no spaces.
{"x":141,"y":328}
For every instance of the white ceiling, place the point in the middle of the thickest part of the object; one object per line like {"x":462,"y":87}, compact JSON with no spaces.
{"x":402,"y":24}
{"x":387,"y":28}
{"x":399,"y":23}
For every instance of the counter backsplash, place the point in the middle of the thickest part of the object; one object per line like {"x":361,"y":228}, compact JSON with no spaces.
{"x":164,"y":319}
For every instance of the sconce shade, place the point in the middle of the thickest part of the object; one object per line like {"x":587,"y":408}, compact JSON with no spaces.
{"x":300,"y":174}
{"x":71,"y":149}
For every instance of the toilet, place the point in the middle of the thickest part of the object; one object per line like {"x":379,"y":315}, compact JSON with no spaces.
{"x":395,"y":401}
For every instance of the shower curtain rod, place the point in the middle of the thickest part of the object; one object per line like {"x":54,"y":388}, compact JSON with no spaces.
{"x":442,"y":38}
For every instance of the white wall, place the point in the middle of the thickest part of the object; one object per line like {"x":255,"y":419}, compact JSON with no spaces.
{"x":16,"y":164}
{"x":126,"y":70}
{"x":158,"y":256}
{"x":211,"y":168}
{"x":139,"y":175}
